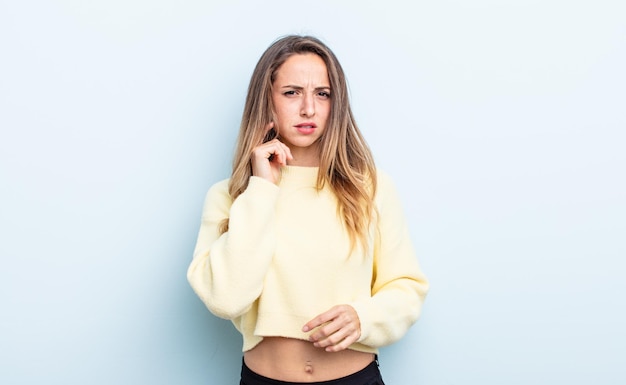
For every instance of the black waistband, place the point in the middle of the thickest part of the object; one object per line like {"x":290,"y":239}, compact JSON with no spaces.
{"x":370,"y":372}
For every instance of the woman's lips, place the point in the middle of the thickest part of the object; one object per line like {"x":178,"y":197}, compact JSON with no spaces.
{"x":306,"y":128}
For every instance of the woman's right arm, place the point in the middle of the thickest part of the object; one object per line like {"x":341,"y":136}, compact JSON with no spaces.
{"x":228,"y":269}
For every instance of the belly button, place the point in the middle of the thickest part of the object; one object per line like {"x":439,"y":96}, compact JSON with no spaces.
{"x":308,"y":367}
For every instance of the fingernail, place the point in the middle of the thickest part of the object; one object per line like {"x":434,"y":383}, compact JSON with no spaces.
{"x":305,"y":329}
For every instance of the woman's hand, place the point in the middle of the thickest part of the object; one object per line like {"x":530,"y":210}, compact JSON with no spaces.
{"x":339,"y":328}
{"x":269,"y":157}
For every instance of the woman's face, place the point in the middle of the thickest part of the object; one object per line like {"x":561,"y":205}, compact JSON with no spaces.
{"x":301,"y":97}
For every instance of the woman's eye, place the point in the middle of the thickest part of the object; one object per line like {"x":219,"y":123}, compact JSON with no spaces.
{"x":289,"y":93}
{"x":324,"y":94}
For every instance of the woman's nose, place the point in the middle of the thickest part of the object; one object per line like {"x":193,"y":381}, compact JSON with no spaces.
{"x":308,"y":106}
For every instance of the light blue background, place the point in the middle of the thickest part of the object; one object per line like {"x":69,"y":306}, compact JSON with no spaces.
{"x":502,"y":122}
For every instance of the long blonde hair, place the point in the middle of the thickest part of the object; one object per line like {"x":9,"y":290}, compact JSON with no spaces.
{"x":346,"y":162}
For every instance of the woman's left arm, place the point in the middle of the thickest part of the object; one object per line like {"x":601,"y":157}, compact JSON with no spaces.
{"x":399,"y":286}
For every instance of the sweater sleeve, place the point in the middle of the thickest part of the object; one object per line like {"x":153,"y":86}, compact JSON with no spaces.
{"x":398,"y":284}
{"x":228,"y":269}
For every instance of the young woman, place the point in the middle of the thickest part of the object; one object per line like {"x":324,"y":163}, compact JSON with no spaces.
{"x":305,"y":247}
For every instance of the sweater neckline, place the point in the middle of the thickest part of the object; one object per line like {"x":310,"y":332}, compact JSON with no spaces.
{"x":299,"y":174}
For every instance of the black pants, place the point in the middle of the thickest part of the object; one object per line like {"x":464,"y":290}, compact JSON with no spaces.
{"x":370,"y":375}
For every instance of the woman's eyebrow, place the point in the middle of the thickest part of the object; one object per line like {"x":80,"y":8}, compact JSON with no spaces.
{"x":301,"y":88}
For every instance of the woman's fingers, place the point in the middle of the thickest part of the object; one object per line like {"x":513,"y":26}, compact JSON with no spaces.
{"x":276,"y":151}
{"x":337,"y":329}
{"x":288,"y":155}
{"x":267,"y":158}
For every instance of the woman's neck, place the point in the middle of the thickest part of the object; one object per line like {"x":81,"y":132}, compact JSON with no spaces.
{"x":304,"y":158}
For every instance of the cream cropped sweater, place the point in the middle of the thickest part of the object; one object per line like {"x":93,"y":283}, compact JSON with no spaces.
{"x":286,"y":258}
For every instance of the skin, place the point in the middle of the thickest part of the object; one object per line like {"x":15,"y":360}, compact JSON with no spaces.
{"x":342,"y":328}
{"x":301,"y":94}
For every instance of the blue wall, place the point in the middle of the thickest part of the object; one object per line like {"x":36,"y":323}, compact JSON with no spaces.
{"x":502,"y":123}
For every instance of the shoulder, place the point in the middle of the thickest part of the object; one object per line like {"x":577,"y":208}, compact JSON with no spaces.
{"x":387,"y":195}
{"x":220,"y":187}
{"x":218,"y":193}
{"x":384,"y":184}
{"x":382,"y":177}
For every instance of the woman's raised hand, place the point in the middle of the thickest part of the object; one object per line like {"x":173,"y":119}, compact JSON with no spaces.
{"x":339,"y":328}
{"x":269,"y":157}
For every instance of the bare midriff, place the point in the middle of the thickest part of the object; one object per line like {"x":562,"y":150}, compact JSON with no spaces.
{"x":293,"y":360}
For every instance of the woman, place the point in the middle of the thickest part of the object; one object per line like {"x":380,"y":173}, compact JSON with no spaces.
{"x":305,"y":247}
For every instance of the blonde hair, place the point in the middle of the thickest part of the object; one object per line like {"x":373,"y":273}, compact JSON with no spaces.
{"x":346,"y":162}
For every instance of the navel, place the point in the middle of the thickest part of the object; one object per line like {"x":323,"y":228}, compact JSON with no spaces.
{"x":308,"y":367}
